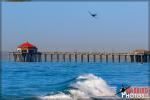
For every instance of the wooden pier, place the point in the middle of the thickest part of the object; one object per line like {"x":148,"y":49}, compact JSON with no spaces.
{"x":55,"y":56}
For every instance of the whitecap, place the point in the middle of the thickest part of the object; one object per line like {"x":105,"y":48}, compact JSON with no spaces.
{"x":86,"y":86}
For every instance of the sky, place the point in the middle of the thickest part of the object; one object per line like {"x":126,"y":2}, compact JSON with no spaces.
{"x":67,"y":26}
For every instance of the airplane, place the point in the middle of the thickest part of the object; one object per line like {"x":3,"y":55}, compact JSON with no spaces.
{"x":93,"y":14}
{"x":123,"y":89}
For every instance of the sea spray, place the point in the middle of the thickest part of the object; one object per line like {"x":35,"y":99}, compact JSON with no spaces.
{"x":86,"y":86}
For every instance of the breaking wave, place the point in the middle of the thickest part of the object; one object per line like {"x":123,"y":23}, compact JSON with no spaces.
{"x":85,"y":86}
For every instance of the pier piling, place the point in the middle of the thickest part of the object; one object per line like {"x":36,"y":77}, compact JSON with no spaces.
{"x":88,"y":57}
{"x":69,"y":57}
{"x":94,"y":57}
{"x":106,"y":57}
{"x":125,"y":58}
{"x":64,"y":59}
{"x":119,"y":57}
{"x":75,"y":57}
{"x":45,"y":56}
{"x":113,"y":58}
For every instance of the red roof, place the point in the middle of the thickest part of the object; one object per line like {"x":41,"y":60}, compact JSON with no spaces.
{"x":26,"y":44}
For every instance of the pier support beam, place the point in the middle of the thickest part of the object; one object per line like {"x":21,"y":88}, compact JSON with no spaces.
{"x":15,"y":57}
{"x":100,"y":57}
{"x":64,"y":59}
{"x":88,"y":57}
{"x":106,"y":58}
{"x":45,"y":57}
{"x":125,"y":58}
{"x":57,"y":57}
{"x":27,"y":58}
{"x":132,"y":58}
{"x":51,"y":56}
{"x":19,"y":58}
{"x":141,"y":56}
{"x":69,"y":57}
{"x":81,"y":57}
{"x":24,"y":57}
{"x":148,"y":60}
{"x":94,"y":57}
{"x":35,"y":58}
{"x":38,"y":58}
{"x":113,"y":59}
{"x":135,"y":60}
{"x":119,"y":58}
{"x":75,"y":57}
{"x":147,"y":57}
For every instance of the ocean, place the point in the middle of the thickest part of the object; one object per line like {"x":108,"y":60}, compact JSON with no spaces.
{"x":69,"y":80}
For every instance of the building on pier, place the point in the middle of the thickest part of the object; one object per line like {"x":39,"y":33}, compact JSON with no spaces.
{"x":27,"y":47}
{"x":140,"y":51}
{"x":26,"y":52}
{"x":140,"y":55}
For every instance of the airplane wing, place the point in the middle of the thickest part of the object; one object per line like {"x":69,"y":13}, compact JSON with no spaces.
{"x":90,"y":13}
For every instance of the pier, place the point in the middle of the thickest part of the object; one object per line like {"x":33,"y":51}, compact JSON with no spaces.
{"x":55,"y":56}
{"x":27,"y":52}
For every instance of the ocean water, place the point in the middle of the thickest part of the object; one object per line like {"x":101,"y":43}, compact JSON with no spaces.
{"x":69,"y":80}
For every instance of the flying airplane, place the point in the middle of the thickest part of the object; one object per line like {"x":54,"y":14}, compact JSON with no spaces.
{"x":93,"y":14}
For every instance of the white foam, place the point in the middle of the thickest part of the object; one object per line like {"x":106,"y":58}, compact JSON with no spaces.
{"x":59,"y":96}
{"x":86,"y":86}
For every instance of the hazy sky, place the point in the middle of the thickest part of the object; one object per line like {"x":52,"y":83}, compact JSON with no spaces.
{"x":120,"y":26}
